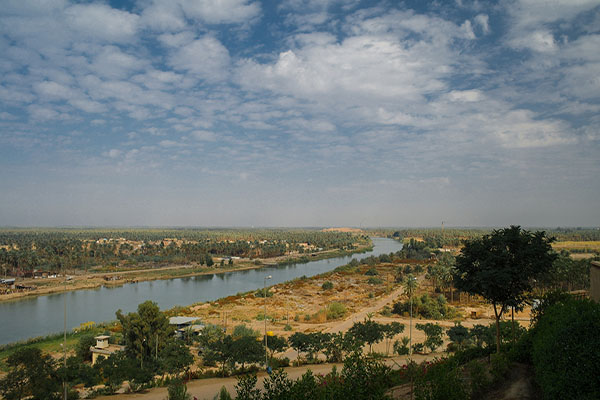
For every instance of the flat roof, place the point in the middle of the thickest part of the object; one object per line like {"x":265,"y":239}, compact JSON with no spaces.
{"x":102,"y":337}
{"x":182,"y":320}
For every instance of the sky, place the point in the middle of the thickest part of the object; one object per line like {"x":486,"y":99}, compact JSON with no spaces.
{"x":299,"y":113}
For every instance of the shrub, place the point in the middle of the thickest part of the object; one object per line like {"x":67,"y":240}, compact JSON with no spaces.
{"x":374,"y":281}
{"x":427,"y":307}
{"x":335,"y":310}
{"x":287,"y":327}
{"x":327,"y":285}
{"x":566,"y":350}
{"x":478,"y":378}
{"x":441,"y":381}
{"x":178,"y":391}
{"x":261,"y":293}
{"x":401,"y":348}
{"x":500,"y":366}
{"x":371,"y":272}
{"x":223,"y":393}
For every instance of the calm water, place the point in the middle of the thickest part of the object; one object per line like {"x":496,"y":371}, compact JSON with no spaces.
{"x":42,"y":315}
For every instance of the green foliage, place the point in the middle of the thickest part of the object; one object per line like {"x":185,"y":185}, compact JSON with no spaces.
{"x":177,"y":390}
{"x":145,"y":330}
{"x":401,"y":347}
{"x":459,"y":335}
{"x":359,"y":379}
{"x":368,"y":331}
{"x":261,"y":293}
{"x":499,"y":366}
{"x":223,"y":394}
{"x":372,"y":272}
{"x":31,"y":375}
{"x":566,"y":350}
{"x":327,"y":285}
{"x":441,"y":381}
{"x":276,"y":344}
{"x":335,"y":310}
{"x":287,"y":327}
{"x":433,"y":335}
{"x":242,"y":330}
{"x":500,"y":267}
{"x":478,"y":378}
{"x":175,"y":357}
{"x":427,"y":307}
{"x":53,"y":249}
{"x":374,"y":281}
{"x":83,"y":347}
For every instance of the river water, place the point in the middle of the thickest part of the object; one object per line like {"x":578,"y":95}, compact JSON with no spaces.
{"x":43,"y":315}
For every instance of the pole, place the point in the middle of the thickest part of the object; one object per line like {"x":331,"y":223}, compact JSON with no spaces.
{"x":410,"y":329}
{"x":265,"y":315}
{"x":65,"y":335}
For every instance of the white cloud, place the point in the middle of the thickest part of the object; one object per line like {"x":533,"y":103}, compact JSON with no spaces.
{"x":483,"y":21}
{"x":221,"y":11}
{"x":113,"y":153}
{"x":99,"y":21}
{"x":112,"y":63}
{"x":205,"y":57}
{"x":204,"y":135}
{"x":539,"y":40}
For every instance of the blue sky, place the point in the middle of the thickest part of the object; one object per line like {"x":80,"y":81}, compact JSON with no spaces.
{"x":300,"y":113}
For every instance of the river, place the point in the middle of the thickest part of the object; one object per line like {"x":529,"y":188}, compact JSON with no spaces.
{"x":39,"y":316}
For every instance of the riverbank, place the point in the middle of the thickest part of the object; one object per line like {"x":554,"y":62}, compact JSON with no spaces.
{"x":94,"y":280}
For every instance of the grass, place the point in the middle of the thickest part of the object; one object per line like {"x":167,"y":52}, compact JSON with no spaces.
{"x":48,"y":344}
{"x":583,"y":246}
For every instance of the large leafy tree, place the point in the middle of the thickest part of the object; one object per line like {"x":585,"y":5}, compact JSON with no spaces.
{"x":31,"y":375}
{"x":501,"y":267}
{"x":145,"y":331}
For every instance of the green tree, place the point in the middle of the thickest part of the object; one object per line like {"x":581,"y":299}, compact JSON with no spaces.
{"x":146,"y":331}
{"x":368,"y":331}
{"x":500,"y":267}
{"x":83,"y":347}
{"x":247,"y":349}
{"x":31,"y":375}
{"x":275,"y":344}
{"x":433,"y":335}
{"x":390,"y":331}
{"x":459,"y":335}
{"x":175,"y":357}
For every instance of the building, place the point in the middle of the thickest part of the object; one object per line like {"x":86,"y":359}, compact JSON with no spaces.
{"x":103,"y":348}
{"x":186,"y":324}
{"x":595,"y":281}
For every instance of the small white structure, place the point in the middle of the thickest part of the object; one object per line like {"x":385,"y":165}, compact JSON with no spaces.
{"x":103,"y":348}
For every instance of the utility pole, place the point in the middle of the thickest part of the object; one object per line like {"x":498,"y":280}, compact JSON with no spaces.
{"x":265,"y":315}
{"x":65,"y":334}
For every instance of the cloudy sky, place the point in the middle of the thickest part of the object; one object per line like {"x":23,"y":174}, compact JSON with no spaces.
{"x":300,"y":113}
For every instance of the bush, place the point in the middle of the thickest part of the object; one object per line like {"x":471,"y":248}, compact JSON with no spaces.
{"x":371,"y":272}
{"x":335,"y":310}
{"x":500,"y":366}
{"x":327,"y":285}
{"x":566,"y":350}
{"x":374,"y":281}
{"x":478,"y":378}
{"x":427,"y":307}
{"x":441,"y":381}
{"x":261,"y":293}
{"x":287,"y":327}
{"x":401,"y":348}
{"x":178,"y":391}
